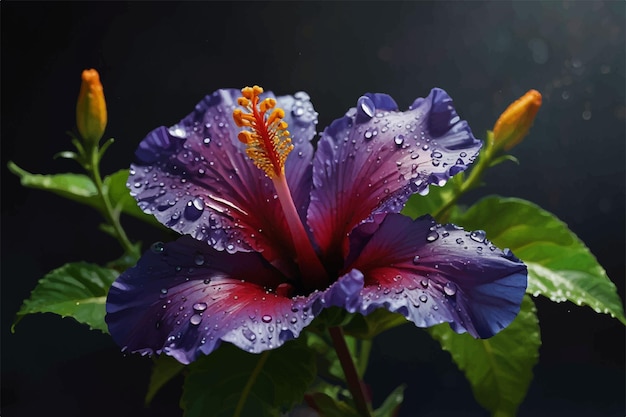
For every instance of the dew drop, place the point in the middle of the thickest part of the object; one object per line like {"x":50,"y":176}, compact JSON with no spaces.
{"x":194,"y":208}
{"x":164,"y":291}
{"x":157,"y":247}
{"x":294,"y":320}
{"x":436,"y":154}
{"x":266,"y":318}
{"x":423,"y":298}
{"x":206,"y":140}
{"x":424,"y":283}
{"x":366,"y":107}
{"x":199,"y":260}
{"x":248,"y":334}
{"x":399,"y":140}
{"x":459,"y":240}
{"x":450,"y":288}
{"x":200,"y":306}
{"x":432,"y":236}
{"x":416,"y":259}
{"x":478,"y":236}
{"x":195,"y":319}
{"x":207,"y":281}
{"x":370,"y":133}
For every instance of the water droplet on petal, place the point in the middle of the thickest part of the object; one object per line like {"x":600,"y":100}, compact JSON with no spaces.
{"x":200,"y":306}
{"x":195,"y":319}
{"x":432,"y":236}
{"x":399,"y":140}
{"x":366,"y":107}
{"x":199,"y":260}
{"x":248,"y":334}
{"x":157,"y":247}
{"x":423,"y":298}
{"x":424,"y":283}
{"x":459,"y":240}
{"x":294,"y":320}
{"x":450,"y":288}
{"x":266,"y":318}
{"x":194,"y":208}
{"x":416,"y":259}
{"x":478,"y":236}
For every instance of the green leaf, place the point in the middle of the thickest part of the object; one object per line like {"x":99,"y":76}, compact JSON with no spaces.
{"x":328,"y":364}
{"x":75,"y":290}
{"x":165,"y":368}
{"x":231,"y":382}
{"x":391,"y":405}
{"x":120,"y":197}
{"x":81,"y":188}
{"x":499,"y":369}
{"x":367,"y":327}
{"x":560,"y":266}
{"x":437,"y":197}
{"x":76,"y":187}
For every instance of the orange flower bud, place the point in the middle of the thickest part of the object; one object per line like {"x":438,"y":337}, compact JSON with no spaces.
{"x":516,"y":120}
{"x":91,"y":110}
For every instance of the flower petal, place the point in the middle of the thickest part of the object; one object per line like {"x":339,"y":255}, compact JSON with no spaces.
{"x":433,"y":274}
{"x":184,"y":298}
{"x":196,"y":178}
{"x":372,"y":159}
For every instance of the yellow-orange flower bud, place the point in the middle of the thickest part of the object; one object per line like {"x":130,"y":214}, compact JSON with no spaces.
{"x":91,"y":109}
{"x":515,"y":122}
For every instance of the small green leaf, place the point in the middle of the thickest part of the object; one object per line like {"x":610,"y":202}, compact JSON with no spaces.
{"x":165,"y":368}
{"x":560,"y":266}
{"x":231,"y":382}
{"x":391,"y":405}
{"x":75,"y":290}
{"x":76,"y":187}
{"x":367,"y":327}
{"x":499,"y":369}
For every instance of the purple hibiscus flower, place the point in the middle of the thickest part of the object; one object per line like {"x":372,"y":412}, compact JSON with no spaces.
{"x":275,"y":232}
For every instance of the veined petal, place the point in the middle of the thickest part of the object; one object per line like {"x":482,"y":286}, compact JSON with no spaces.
{"x":196,"y":178}
{"x":183,"y":298}
{"x":433,"y":274}
{"x":372,"y":159}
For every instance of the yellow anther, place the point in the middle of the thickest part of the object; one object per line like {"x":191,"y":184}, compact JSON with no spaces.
{"x":268,"y":103}
{"x":238,"y":118}
{"x":268,"y":142}
{"x":277,"y":114}
{"x":245,"y":136}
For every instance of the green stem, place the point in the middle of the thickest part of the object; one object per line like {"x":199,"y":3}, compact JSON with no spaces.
{"x":93,"y":167}
{"x":365,"y":347}
{"x":355,"y":385}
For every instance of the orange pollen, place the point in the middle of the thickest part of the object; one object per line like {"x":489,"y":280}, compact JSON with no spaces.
{"x":265,"y":132}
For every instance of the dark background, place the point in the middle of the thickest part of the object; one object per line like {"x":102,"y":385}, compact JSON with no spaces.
{"x":157,"y":60}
